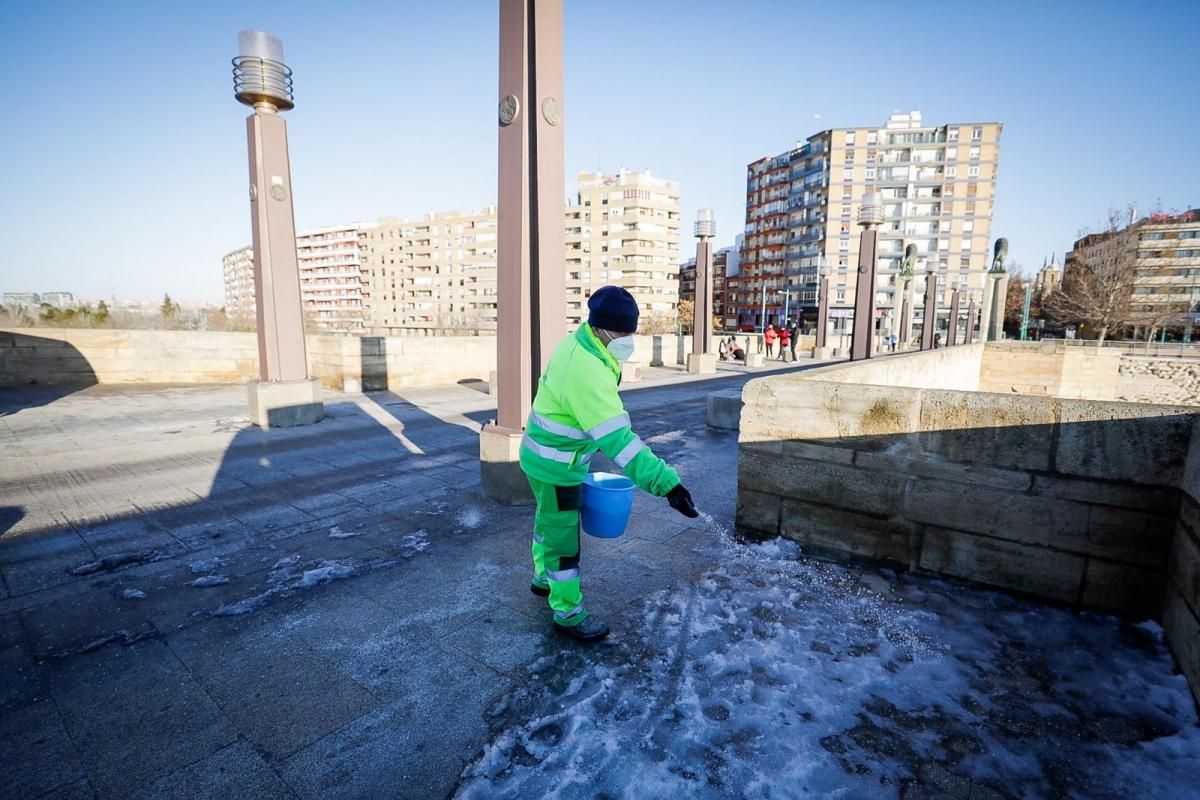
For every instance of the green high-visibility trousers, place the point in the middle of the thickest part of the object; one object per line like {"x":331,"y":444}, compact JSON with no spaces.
{"x":556,"y":548}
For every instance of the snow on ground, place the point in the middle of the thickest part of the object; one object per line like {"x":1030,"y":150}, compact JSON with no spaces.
{"x":776,"y":676}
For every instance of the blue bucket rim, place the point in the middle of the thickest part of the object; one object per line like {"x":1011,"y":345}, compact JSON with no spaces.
{"x":626,"y":483}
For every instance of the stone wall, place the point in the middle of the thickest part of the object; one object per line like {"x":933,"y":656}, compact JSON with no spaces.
{"x":1181,"y":616}
{"x":1146,"y":379}
{"x":944,"y":368}
{"x":1073,"y":501}
{"x":1053,"y":368}
{"x":84,"y":357}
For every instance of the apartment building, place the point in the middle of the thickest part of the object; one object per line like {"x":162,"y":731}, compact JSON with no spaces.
{"x":436,"y":275}
{"x":1163,"y":250}
{"x":623,"y":229}
{"x":331,"y":283}
{"x":239,"y":283}
{"x":723,"y":259}
{"x":938,"y":186}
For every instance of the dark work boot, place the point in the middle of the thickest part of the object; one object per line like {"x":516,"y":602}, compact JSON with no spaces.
{"x":540,"y":591}
{"x":590,"y":630}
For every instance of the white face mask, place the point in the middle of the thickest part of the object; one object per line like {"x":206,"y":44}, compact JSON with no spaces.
{"x":621,"y":348}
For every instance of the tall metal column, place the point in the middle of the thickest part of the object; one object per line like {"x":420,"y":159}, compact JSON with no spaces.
{"x":531,"y":283}
{"x":284,"y":395}
{"x":970,"y":335}
{"x":929,"y":326}
{"x":952,"y":333}
{"x":870,"y":214}
{"x":702,"y":309}
{"x":822,"y":313}
{"x":531,"y":296}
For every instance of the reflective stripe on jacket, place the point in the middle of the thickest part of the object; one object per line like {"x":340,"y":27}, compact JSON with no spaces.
{"x":578,"y":411}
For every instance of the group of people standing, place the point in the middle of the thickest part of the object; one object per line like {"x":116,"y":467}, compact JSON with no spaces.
{"x":786,"y":335}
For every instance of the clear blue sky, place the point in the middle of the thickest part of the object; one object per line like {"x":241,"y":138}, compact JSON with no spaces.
{"x":125,"y":152}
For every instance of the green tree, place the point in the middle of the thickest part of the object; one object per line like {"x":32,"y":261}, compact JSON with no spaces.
{"x":101,"y":315}
{"x":169,"y":311}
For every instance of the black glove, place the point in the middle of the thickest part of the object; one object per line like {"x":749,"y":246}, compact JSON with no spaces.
{"x":681,"y":500}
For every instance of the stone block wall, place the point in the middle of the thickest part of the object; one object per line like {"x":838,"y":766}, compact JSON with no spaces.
{"x":1146,"y":379}
{"x":1053,"y":368}
{"x":1073,"y":501}
{"x":1181,"y":614}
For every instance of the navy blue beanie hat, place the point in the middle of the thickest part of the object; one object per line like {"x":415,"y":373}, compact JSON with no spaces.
{"x":613,"y":309}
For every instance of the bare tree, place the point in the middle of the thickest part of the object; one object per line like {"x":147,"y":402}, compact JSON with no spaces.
{"x":1097,"y":284}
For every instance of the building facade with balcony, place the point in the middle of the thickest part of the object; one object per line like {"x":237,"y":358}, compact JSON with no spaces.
{"x":623,"y":229}
{"x":331,"y":285}
{"x":938,"y":186}
{"x":1162,"y":252}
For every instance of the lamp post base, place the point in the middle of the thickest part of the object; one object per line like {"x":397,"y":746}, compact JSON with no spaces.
{"x":285,"y":404}
{"x":500,"y":472}
{"x":701,"y":363}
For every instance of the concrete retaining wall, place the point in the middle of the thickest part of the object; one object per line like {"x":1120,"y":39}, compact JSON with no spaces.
{"x":1181,"y":615}
{"x":1159,"y":380}
{"x":1052,"y":368}
{"x":84,"y":357}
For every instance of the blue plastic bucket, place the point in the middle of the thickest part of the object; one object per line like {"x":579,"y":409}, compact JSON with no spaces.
{"x":607,"y":501}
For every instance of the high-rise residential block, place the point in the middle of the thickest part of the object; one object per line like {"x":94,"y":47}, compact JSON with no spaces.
{"x":623,"y":229}
{"x":331,"y":284}
{"x":436,"y":275}
{"x":938,"y":186}
{"x":239,"y":283}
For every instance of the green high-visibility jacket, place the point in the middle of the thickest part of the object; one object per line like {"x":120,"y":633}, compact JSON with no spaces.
{"x":578,"y":411}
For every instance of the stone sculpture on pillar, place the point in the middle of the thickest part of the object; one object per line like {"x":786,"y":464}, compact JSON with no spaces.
{"x":284,"y":395}
{"x":970,"y":335}
{"x":531,"y":295}
{"x":999,"y":280}
{"x":702,"y":361}
{"x":870,"y":214}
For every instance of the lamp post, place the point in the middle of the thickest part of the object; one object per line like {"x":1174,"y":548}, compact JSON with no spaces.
{"x":906,"y":278}
{"x":284,"y":395}
{"x":955,"y":304}
{"x":929,"y":326}
{"x":870,"y":214}
{"x":820,"y":349}
{"x":530,"y":282}
{"x":702,"y":361}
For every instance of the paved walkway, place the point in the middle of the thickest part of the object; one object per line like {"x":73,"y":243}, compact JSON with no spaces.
{"x":192,"y":607}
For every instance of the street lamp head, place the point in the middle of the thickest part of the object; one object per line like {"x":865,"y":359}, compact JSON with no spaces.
{"x":871,"y":211}
{"x":260,"y":78}
{"x":706,"y":225}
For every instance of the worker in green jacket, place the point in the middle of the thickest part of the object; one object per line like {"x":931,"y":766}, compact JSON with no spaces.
{"x":578,"y":411}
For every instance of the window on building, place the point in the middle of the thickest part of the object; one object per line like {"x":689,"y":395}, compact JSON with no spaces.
{"x":952,"y":135}
{"x":872,"y":137}
{"x":951,"y":172}
{"x":951,"y":153}
{"x":976,"y":134}
{"x":850,"y":139}
{"x":974,"y":152}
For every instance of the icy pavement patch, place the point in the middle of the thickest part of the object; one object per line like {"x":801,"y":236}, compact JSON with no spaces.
{"x":133,"y":594}
{"x":208,"y":581}
{"x":470,"y":517}
{"x":773,"y":676}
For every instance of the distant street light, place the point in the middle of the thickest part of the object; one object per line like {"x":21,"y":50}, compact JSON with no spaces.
{"x":870,"y":215}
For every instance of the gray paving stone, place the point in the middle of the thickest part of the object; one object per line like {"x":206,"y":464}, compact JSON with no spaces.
{"x":393,"y":751}
{"x":279,"y":694}
{"x":36,"y":752}
{"x":236,"y":771}
{"x":135,"y":713}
